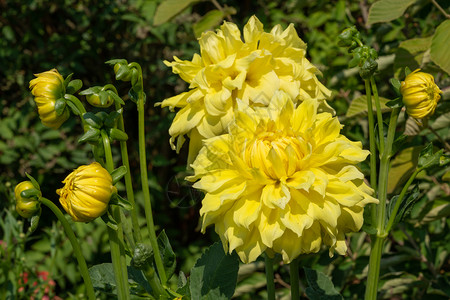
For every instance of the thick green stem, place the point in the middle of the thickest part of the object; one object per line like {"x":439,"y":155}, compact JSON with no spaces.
{"x":377,"y":243}
{"x":153,"y":280}
{"x":76,"y":247}
{"x":295,"y":280}
{"x":400,"y":199}
{"x":269,"y":278}
{"x":374,"y":268}
{"x":372,"y":146}
{"x":379,"y":113}
{"x":116,"y":237}
{"x":145,"y":186}
{"x":77,"y":103}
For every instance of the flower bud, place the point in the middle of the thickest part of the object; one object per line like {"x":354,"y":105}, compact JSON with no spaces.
{"x":96,"y":99}
{"x":420,"y":94}
{"x":123,"y":72}
{"x":27,"y":206}
{"x":47,"y":88}
{"x":86,"y":193}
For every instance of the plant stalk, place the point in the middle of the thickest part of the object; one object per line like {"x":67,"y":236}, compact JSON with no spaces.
{"x":75,"y":245}
{"x":116,"y":237}
{"x":295,"y":280}
{"x":379,"y":113}
{"x":269,"y":278}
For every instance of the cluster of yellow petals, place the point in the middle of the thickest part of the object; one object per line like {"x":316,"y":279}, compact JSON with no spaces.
{"x":420,"y":94}
{"x":283,"y":179}
{"x":229,"y":68}
{"x":86,"y":193}
{"x":48,"y":87}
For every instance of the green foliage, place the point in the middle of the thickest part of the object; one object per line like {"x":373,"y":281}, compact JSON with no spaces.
{"x":320,"y":286}
{"x":387,"y":10}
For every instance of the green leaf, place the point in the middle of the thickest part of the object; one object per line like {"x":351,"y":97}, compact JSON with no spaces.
{"x":117,"y":134}
{"x":92,"y":135}
{"x":443,"y":121}
{"x":118,"y":200}
{"x":92,"y":120}
{"x":33,"y":181}
{"x":359,"y":106}
{"x":402,"y":166}
{"x":34,"y":221}
{"x":410,"y":53}
{"x":116,"y":97}
{"x":109,"y":221}
{"x":214,"y":275}
{"x":60,"y":105}
{"x":320,"y":286}
{"x":102,"y":277}
{"x":208,"y":22}
{"x":405,"y":207}
{"x":438,"y":212}
{"x":74,"y":108}
{"x":169,"y":9}
{"x":439,"y":46}
{"x":387,"y":10}
{"x":427,"y":158}
{"x":167,"y":255}
{"x":91,"y":90}
{"x":118,"y":173}
{"x":111,"y":118}
{"x":117,"y":61}
{"x":74,"y":86}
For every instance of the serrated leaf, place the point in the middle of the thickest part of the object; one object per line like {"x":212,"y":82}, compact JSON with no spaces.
{"x":387,"y":10}
{"x":320,"y":286}
{"x":208,"y":22}
{"x":439,"y":46}
{"x":169,"y":9}
{"x":359,"y":106}
{"x":214,"y":275}
{"x":167,"y":255}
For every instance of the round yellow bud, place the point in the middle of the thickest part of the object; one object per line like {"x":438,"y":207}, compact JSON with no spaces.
{"x":48,"y":87}
{"x":86,"y":193}
{"x":26,"y":207}
{"x":420,"y":94}
{"x":94,"y":100}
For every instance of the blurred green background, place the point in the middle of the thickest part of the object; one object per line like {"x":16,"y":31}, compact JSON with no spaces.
{"x":79,"y":36}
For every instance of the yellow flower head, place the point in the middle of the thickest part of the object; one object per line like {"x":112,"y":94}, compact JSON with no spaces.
{"x":282,"y":180}
{"x":229,"y":68}
{"x":48,"y":87}
{"x":420,"y":94}
{"x":86,"y":193}
{"x":26,"y":207}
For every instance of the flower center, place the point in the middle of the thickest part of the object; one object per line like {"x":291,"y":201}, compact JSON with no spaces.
{"x":289,"y":149}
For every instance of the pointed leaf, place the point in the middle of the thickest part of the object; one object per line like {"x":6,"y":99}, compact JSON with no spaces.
{"x":214,"y":275}
{"x":91,"y":90}
{"x":74,"y":86}
{"x":34,"y":221}
{"x":74,"y":108}
{"x":116,"y":97}
{"x":320,"y":286}
{"x":118,"y":200}
{"x":167,"y":254}
{"x":169,"y":9}
{"x":92,"y":135}
{"x":109,"y":221}
{"x":118,"y":173}
{"x":33,"y":181}
{"x":92,"y":120}
{"x":405,"y":207}
{"x":208,"y":22}
{"x":439,"y":46}
{"x":359,"y":106}
{"x":116,"y":61}
{"x":387,"y":10}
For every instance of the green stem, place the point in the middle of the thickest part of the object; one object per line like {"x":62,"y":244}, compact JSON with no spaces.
{"x":400,"y":199}
{"x":373,"y":148}
{"x":374,"y":268}
{"x":128,"y":182}
{"x":269,"y":278}
{"x":379,"y":113}
{"x":77,"y":103}
{"x":378,"y":239}
{"x":156,"y":286}
{"x":145,"y":186}
{"x":295,"y":280}
{"x":76,"y":247}
{"x":116,"y":237}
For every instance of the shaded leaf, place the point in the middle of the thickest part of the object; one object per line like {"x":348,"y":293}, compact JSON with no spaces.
{"x":214,"y":275}
{"x":387,"y":10}
{"x":320,"y":286}
{"x":439,"y":46}
{"x":405,"y":207}
{"x":167,"y":255}
{"x":402,"y":166}
{"x":410,"y":53}
{"x":208,"y":22}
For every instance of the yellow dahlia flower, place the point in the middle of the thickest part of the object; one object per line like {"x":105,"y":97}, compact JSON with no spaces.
{"x":282,"y":180}
{"x":229,"y":68}
{"x":26,"y":207}
{"x":420,"y":94}
{"x":86,"y":193}
{"x":47,"y":88}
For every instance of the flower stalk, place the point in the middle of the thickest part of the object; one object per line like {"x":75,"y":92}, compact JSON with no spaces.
{"x":269,"y":278}
{"x":75,"y":245}
{"x":295,"y":287}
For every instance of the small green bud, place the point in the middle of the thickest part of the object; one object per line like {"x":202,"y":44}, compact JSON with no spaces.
{"x":142,"y":256}
{"x":27,"y":199}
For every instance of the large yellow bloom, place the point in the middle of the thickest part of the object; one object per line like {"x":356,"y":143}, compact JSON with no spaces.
{"x":86,"y":193}
{"x":48,"y":87}
{"x":282,"y":180}
{"x":420,"y":94}
{"x":230,"y":68}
